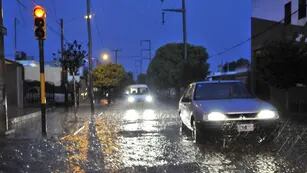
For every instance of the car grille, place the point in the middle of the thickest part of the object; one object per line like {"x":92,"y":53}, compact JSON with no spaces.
{"x":245,"y":115}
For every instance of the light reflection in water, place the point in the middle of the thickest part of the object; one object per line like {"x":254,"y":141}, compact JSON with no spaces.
{"x":149,"y":114}
{"x":149,"y":148}
{"x":131,"y":115}
{"x":142,"y":151}
{"x":265,"y":164}
{"x":143,"y":120}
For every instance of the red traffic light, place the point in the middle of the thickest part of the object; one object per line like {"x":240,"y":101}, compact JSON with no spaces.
{"x":39,"y":12}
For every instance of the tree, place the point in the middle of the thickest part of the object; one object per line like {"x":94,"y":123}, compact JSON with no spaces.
{"x":109,"y":78}
{"x":142,"y":78}
{"x":128,"y":80}
{"x":108,"y":75}
{"x":73,"y":59}
{"x":168,"y":69}
{"x":282,"y":64}
{"x":233,"y":65}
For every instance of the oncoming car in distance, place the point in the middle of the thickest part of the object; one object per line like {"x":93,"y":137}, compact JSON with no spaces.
{"x":138,"y":94}
{"x":215,"y":108}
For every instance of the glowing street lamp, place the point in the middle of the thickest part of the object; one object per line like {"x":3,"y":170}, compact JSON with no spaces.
{"x":105,"y":56}
{"x":88,"y":16}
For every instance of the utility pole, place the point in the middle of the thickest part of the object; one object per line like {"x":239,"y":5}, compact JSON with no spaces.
{"x":90,"y":65}
{"x":184,"y":29}
{"x":146,"y":49}
{"x":15,"y":36}
{"x":184,"y":26}
{"x":116,"y":54}
{"x":64,"y":69}
{"x":136,"y":62}
{"x":3,"y":100}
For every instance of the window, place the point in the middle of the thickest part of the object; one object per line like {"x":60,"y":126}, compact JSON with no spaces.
{"x":288,"y":13}
{"x":188,"y":94}
{"x":301,"y":9}
{"x":231,"y":90}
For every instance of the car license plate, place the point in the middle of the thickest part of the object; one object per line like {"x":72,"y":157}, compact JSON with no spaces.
{"x":245,"y":127}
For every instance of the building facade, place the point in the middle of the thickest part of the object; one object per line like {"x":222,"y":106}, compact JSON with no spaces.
{"x":277,"y":21}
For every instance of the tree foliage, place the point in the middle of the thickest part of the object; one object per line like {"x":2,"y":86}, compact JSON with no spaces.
{"x":73,"y":56}
{"x":142,"y":78}
{"x":128,"y":80}
{"x":283,"y":64}
{"x":169,"y":69}
{"x":232,"y":66}
{"x":108,"y":75}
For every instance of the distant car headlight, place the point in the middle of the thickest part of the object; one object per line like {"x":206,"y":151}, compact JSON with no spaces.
{"x":266,"y":114}
{"x":216,"y":116}
{"x":131,"y":99}
{"x":149,"y":98}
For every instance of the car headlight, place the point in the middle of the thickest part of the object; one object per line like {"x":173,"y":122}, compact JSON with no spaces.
{"x":131,"y":99}
{"x":216,"y":116}
{"x":149,"y":98}
{"x":266,"y":114}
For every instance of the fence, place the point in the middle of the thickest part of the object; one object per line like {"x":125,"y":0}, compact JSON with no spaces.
{"x":32,"y":93}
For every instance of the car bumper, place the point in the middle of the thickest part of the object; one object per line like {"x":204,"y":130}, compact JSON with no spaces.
{"x":231,"y":127}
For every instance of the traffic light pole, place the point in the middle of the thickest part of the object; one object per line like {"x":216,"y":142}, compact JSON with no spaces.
{"x":42,"y":86}
{"x":90,"y":64}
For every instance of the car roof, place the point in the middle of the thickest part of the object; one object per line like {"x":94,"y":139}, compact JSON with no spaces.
{"x":138,"y":86}
{"x":217,"y":81}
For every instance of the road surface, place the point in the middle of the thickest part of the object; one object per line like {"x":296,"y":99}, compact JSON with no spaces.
{"x":141,"y":138}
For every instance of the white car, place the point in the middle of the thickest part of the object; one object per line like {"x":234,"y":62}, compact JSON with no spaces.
{"x":225,"y":107}
{"x":138,"y":94}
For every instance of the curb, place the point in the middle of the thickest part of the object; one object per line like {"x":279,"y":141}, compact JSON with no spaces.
{"x":16,"y":120}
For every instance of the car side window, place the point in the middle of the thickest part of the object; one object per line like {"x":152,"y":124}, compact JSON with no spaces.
{"x":188,"y":94}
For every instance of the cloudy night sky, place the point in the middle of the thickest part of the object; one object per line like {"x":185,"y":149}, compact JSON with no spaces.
{"x":216,"y":25}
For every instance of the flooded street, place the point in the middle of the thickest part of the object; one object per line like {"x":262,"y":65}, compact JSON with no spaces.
{"x":141,"y":138}
{"x":149,"y":139}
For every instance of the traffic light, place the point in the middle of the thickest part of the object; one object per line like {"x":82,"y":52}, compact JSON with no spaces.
{"x":39,"y":22}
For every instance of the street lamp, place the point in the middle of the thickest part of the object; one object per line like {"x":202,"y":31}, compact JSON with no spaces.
{"x":104,"y":57}
{"x":88,"y":16}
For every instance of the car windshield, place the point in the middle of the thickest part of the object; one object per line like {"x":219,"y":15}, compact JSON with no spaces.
{"x":137,"y":91}
{"x":211,"y":91}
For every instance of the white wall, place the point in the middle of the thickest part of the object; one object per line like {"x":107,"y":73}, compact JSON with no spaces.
{"x":53,"y":74}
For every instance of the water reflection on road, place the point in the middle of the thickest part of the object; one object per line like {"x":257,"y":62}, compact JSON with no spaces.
{"x":150,"y":139}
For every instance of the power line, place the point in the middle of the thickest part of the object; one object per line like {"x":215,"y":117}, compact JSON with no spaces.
{"x":21,"y":4}
{"x":252,"y":37}
{"x":48,"y":26}
{"x":54,"y":8}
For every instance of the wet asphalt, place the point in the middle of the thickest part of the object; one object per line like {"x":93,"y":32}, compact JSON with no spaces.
{"x":149,"y":138}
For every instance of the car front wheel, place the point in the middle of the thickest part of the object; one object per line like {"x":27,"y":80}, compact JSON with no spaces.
{"x":197,"y":133}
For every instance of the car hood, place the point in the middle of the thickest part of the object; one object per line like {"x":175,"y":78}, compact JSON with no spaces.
{"x":233,"y":105}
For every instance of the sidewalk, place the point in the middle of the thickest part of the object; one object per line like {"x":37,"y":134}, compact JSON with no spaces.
{"x":59,"y":122}
{"x":22,"y":115}
{"x":14,"y":112}
{"x":26,"y":151}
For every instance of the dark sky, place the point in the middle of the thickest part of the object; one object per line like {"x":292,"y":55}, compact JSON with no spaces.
{"x":214,"y":24}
